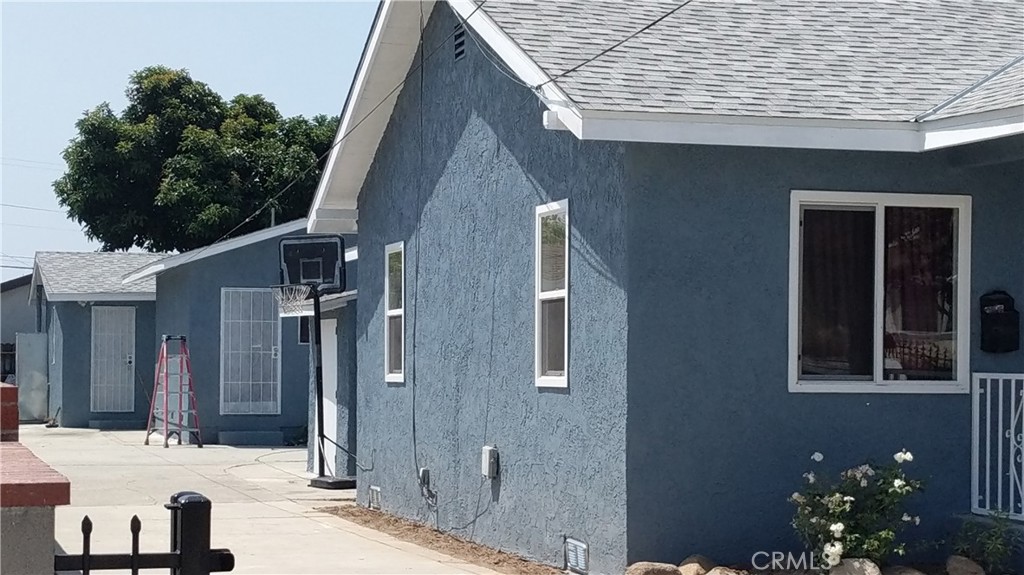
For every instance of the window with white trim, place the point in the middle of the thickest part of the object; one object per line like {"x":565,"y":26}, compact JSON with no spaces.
{"x":879,"y":288}
{"x":394,"y":305}
{"x":551,"y":268}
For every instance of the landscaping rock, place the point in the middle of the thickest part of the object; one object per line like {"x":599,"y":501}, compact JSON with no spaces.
{"x":959,"y":565}
{"x":651,"y":568}
{"x":856,"y":567}
{"x":725,"y":571}
{"x":696,"y":565}
{"x":900,"y":570}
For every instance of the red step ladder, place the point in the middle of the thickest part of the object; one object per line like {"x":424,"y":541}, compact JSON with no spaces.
{"x":173,"y":409}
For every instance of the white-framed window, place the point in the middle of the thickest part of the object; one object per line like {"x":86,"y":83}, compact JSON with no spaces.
{"x":394,"y":312}
{"x":305,"y":332}
{"x":879,"y":288}
{"x":551,"y":270}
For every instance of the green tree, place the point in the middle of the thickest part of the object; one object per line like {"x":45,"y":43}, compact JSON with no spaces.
{"x":180,"y":166}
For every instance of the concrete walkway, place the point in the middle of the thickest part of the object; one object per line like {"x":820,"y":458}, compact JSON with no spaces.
{"x":262,"y":508}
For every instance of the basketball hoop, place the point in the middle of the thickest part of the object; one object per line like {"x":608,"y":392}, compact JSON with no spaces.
{"x":291,"y":300}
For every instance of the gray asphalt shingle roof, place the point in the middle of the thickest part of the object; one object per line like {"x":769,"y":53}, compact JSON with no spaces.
{"x":93,"y":272}
{"x":889,"y":60}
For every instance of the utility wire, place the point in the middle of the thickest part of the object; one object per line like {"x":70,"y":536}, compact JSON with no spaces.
{"x":335,"y":144}
{"x":645,"y":28}
{"x":21,"y":207}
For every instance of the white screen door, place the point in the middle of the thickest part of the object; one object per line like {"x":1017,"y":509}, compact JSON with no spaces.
{"x":113,"y":359}
{"x":250,"y":362}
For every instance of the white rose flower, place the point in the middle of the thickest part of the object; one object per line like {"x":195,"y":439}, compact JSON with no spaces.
{"x":898,"y":457}
{"x":797,"y":497}
{"x":817,"y":456}
{"x":908,"y":456}
{"x":902,"y":456}
{"x":898,"y":483}
{"x":809,"y":476}
{"x":848,"y":498}
{"x":863,"y":482}
{"x":907,"y":517}
{"x":917,"y":520}
{"x":837,"y":529}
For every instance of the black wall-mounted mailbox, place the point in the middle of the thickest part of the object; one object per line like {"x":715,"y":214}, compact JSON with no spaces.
{"x":1000,"y":323}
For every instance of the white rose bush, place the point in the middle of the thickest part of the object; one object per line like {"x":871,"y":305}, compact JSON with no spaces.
{"x":859,"y":515}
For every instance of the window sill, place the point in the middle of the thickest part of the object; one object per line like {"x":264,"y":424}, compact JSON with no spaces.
{"x":394,"y":378}
{"x":558,"y":381}
{"x":907,"y":387}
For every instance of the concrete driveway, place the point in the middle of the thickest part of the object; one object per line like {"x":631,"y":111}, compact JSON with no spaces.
{"x":262,"y":508}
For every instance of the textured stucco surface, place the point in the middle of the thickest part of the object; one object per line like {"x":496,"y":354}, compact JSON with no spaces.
{"x":72,"y":392}
{"x":26,"y":540}
{"x":465,"y":210}
{"x":716,"y":443}
{"x":188,"y":303}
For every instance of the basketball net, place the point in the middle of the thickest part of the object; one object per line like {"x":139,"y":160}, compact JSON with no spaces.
{"x":291,"y":300}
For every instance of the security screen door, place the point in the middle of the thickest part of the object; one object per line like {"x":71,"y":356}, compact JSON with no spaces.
{"x":112,"y":377}
{"x":250,"y":362}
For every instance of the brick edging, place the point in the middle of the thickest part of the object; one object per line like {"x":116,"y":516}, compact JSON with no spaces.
{"x":27,"y":481}
{"x":8,"y":412}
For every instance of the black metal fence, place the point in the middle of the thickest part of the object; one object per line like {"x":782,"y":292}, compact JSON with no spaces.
{"x":190,"y":545}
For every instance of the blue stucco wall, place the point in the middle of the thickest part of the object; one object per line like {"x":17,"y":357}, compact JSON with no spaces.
{"x":72,"y":393}
{"x":716,"y":443}
{"x":462,"y":195}
{"x":188,"y":303}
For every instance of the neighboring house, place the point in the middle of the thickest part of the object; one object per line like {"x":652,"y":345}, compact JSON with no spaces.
{"x":250,"y":367}
{"x":99,"y":337}
{"x":17,"y":315}
{"x":659,"y":282}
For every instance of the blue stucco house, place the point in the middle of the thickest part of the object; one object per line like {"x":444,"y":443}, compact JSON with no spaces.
{"x":98,"y":337}
{"x":249,"y":366}
{"x":657,"y":254}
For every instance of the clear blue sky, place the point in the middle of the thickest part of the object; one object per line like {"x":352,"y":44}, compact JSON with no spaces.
{"x":60,"y":59}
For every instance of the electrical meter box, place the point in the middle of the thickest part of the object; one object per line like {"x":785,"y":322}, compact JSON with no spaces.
{"x":489,"y":461}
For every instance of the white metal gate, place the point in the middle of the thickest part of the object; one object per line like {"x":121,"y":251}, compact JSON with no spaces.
{"x":997,"y":457}
{"x":113,"y":359}
{"x":250,"y":362}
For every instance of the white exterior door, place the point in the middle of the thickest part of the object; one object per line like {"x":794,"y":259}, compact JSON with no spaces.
{"x":329,"y":356}
{"x":250,"y":359}
{"x":112,"y":376}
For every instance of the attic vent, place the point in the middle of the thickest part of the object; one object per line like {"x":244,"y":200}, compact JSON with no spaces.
{"x":576,"y":556}
{"x":460,"y":41}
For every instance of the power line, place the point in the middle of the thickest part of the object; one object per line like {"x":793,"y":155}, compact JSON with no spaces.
{"x":4,"y":224}
{"x":335,"y":144}
{"x":31,"y":166}
{"x":647,"y":27}
{"x":21,"y":207}
{"x":15,"y":267}
{"x":27,"y":161}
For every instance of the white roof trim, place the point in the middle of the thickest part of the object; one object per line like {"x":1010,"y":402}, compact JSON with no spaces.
{"x":124,"y":296}
{"x":330,"y":302}
{"x":212,"y":250}
{"x":392,"y":44}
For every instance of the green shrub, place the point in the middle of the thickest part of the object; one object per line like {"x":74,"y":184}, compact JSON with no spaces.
{"x":991,"y":543}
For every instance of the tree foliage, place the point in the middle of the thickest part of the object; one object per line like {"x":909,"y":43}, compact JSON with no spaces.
{"x":180,"y":166}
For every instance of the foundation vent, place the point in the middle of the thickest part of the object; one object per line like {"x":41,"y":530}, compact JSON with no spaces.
{"x":577,"y":556}
{"x":374,"y":502}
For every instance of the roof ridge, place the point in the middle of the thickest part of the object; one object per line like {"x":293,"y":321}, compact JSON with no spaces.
{"x":963,"y":93}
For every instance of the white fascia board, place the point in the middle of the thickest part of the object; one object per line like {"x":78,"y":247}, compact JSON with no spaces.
{"x":333,"y":220}
{"x":352,"y":254}
{"x":960,"y":130}
{"x":331,"y":302}
{"x":131,"y":296}
{"x":389,"y":50}
{"x":212,"y":250}
{"x":751,"y":131}
{"x":827,"y":134}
